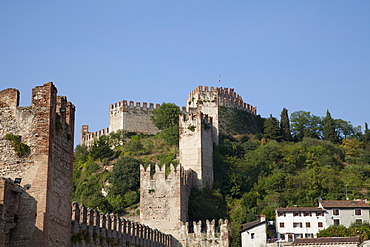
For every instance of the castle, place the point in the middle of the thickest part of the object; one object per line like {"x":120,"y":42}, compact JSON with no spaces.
{"x":164,"y":199}
{"x":36,"y":144}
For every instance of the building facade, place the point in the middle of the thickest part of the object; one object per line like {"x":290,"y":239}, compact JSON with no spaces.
{"x":305,"y":222}
{"x":345,"y":212}
{"x":299,"y":222}
{"x":253,"y":234}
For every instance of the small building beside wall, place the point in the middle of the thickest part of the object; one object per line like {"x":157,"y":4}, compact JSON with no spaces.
{"x":253,"y":234}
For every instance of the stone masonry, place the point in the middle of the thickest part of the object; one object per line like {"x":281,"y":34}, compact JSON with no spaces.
{"x":132,"y":117}
{"x":207,"y":100}
{"x":47,"y":128}
{"x":164,"y":198}
{"x":196,"y":147}
{"x":126,"y":116}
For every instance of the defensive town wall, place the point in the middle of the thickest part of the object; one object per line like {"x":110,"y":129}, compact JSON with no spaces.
{"x":94,"y":229}
{"x":132,"y":117}
{"x":208,"y":235}
{"x":88,"y":137}
{"x":36,"y":144}
{"x":196,"y":147}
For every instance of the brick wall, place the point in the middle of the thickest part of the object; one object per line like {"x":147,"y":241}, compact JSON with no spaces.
{"x":47,"y":127}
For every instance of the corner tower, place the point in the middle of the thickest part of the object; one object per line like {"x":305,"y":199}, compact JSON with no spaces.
{"x":209,"y":100}
{"x":46,"y":131}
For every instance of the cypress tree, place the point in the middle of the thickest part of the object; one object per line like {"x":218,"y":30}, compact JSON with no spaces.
{"x":367,"y":137}
{"x":330,"y":133}
{"x":285,"y":126}
{"x":271,"y":128}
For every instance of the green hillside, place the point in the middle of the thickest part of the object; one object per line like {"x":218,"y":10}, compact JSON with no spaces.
{"x":291,"y":161}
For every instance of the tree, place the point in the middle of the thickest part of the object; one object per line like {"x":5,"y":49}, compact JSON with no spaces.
{"x":346,"y":129}
{"x":329,"y":131}
{"x":81,"y":153}
{"x":285,"y":125}
{"x":166,"y":116}
{"x":367,"y":137}
{"x":333,"y":231}
{"x":134,"y":146}
{"x":304,"y":124}
{"x":125,"y":180}
{"x":271,"y":128}
{"x":100,"y":148}
{"x":125,"y":175}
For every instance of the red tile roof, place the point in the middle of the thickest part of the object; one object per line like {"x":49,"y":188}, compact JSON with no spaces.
{"x":300,"y":209}
{"x":345,"y":204}
{"x":304,"y":241}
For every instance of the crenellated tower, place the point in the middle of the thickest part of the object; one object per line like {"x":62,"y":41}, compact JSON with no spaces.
{"x":132,"y":117}
{"x":164,"y":197}
{"x":45,"y":131}
{"x":208,"y":101}
{"x":196,"y":146}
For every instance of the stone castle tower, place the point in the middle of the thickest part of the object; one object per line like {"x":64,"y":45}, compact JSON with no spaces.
{"x":123,"y":115}
{"x":45,"y":131}
{"x":164,"y":198}
{"x":132,"y":117}
{"x":196,"y":147}
{"x":208,"y":100}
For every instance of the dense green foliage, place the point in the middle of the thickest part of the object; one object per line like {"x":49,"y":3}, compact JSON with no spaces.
{"x":166,"y":116}
{"x":283,"y":164}
{"x":106,"y":175}
{"x":362,"y":230}
{"x":235,"y":121}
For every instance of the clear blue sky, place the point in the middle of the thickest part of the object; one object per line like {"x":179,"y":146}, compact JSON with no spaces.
{"x":302,"y":55}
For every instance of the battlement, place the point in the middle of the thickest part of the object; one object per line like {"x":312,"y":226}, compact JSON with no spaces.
{"x":164,"y":198}
{"x":159,"y":173}
{"x":219,"y":97}
{"x":91,"y":227}
{"x":195,"y":118}
{"x":87,"y":138}
{"x":208,"y":235}
{"x":46,"y":128}
{"x":123,"y":105}
{"x":132,"y":117}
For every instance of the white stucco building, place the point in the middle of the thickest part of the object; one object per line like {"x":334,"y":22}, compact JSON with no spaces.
{"x":299,"y":222}
{"x":305,"y":222}
{"x":253,"y":234}
{"x":345,"y":212}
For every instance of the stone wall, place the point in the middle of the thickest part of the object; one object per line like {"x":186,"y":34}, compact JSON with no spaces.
{"x":208,"y":100}
{"x":196,"y":147}
{"x":164,"y":198}
{"x":220,"y":96}
{"x":87,"y":138}
{"x":9,"y":208}
{"x":132,"y":117}
{"x":94,"y":229}
{"x":47,"y":128}
{"x":209,"y":235}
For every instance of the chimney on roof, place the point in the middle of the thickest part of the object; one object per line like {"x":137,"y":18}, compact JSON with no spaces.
{"x":262,"y":217}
